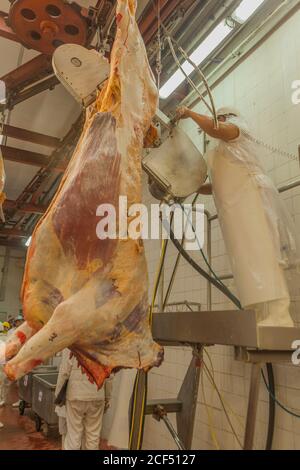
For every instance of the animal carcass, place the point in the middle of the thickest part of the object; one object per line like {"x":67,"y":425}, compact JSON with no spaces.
{"x":81,"y":292}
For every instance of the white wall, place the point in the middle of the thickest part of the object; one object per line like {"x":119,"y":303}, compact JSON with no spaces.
{"x":261,"y":88}
{"x":10,"y":305}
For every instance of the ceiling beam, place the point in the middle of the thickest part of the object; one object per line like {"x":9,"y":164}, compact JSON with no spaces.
{"x":15,"y":244}
{"x":149,"y":15}
{"x":31,"y":72}
{"x":27,"y":158}
{"x":165,"y":14}
{"x":5,"y":31}
{"x":26,"y":208}
{"x":30,"y":136}
{"x":47,"y":84}
{"x":11,"y":232}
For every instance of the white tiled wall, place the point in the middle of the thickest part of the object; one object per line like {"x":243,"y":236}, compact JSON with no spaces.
{"x":261,"y":88}
{"x":10,"y":304}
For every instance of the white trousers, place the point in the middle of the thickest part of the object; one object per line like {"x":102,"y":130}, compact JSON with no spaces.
{"x":118,"y":427}
{"x":4,"y":385}
{"x":84,"y":422}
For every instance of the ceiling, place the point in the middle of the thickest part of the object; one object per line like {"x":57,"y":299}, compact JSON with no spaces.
{"x":53,"y":112}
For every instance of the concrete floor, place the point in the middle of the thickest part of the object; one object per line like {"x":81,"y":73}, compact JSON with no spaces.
{"x":19,"y":431}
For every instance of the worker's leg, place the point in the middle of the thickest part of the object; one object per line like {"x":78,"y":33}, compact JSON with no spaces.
{"x":62,"y":428}
{"x":75,"y":411}
{"x":93,"y":424}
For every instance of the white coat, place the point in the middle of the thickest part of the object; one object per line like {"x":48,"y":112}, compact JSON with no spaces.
{"x":256,"y":228}
{"x":4,"y":383}
{"x":84,"y":408}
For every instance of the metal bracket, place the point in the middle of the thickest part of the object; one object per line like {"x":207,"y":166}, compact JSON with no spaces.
{"x":161,"y":414}
{"x":184,"y":406}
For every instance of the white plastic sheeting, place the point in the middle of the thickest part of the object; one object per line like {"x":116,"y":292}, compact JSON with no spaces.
{"x":259,"y":233}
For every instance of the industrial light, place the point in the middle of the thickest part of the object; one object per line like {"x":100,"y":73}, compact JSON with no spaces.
{"x":2,"y":92}
{"x":198,"y":56}
{"x":2,"y":103}
{"x":246,"y":9}
{"x":28,"y":241}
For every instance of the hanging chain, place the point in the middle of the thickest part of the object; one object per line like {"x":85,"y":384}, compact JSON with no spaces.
{"x":2,"y":118}
{"x":159,"y":46}
{"x":272,"y":149}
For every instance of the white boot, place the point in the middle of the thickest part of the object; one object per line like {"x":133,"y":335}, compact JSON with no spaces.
{"x":1,"y":425}
{"x":274,"y":313}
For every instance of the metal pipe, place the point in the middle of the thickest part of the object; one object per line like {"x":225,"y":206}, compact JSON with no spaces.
{"x":236,"y":51}
{"x":209,"y":256}
{"x":288,"y":187}
{"x":173,"y":433}
{"x":226,"y":277}
{"x":180,"y":304}
{"x":162,"y":279}
{"x":252,"y":406}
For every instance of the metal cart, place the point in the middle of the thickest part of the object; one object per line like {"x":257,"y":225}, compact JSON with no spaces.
{"x":43,"y":397}
{"x":25,"y":386}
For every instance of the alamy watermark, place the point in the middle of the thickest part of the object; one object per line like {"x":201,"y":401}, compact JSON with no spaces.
{"x":296,"y":353}
{"x":138,"y":221}
{"x":296,"y":92}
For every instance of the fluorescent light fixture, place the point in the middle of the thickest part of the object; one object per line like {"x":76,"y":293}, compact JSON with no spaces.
{"x":2,"y":92}
{"x":198,"y":56}
{"x":246,"y":9}
{"x":28,"y":241}
{"x":2,"y":102}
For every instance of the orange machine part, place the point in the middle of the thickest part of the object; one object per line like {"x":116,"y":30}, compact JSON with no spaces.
{"x":44,"y":25}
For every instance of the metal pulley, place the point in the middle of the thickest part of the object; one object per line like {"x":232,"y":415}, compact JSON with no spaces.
{"x":46,"y":24}
{"x":176,"y":169}
{"x":81,"y":71}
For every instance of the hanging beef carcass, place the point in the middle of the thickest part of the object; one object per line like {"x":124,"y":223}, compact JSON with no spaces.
{"x":81,"y":292}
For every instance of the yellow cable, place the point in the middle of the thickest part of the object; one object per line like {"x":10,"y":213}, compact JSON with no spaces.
{"x":213,"y":434}
{"x":237,"y":417}
{"x":210,"y":419}
{"x":210,"y":377}
{"x":156,"y":285}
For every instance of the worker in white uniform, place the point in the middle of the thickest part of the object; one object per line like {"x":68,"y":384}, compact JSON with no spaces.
{"x":84,"y":408}
{"x":258,"y":232}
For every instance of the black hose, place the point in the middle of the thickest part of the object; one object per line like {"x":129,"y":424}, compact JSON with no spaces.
{"x":225,"y":291}
{"x":201,"y":271}
{"x":272,"y":407}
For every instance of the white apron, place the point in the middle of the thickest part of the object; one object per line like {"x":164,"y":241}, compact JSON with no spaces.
{"x":250,"y":214}
{"x":116,"y":421}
